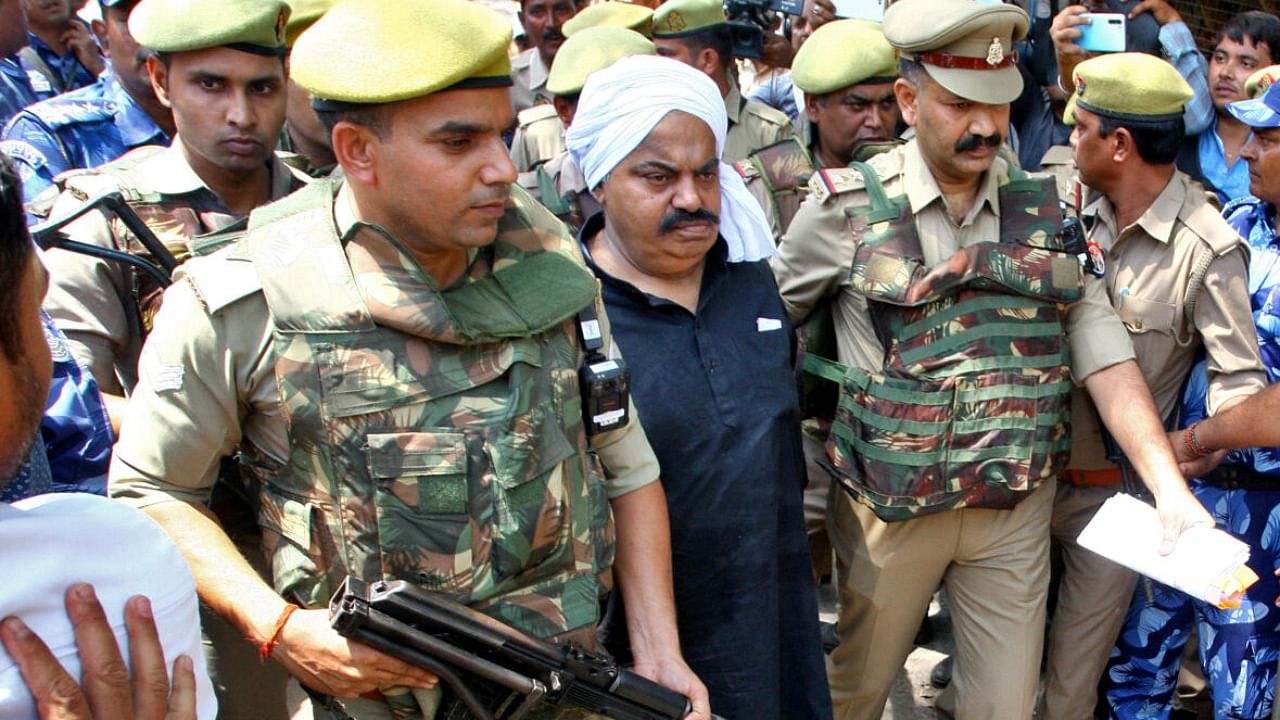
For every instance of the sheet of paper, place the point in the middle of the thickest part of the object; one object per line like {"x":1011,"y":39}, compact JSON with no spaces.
{"x":1127,"y":531}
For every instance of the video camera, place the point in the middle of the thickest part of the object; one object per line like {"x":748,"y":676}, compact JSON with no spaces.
{"x":749,"y":20}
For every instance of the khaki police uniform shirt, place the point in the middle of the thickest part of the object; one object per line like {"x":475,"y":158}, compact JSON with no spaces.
{"x":816,"y":255}
{"x":529,"y":78}
{"x":759,"y":189}
{"x":752,"y":125}
{"x":566,"y":177}
{"x":1148,"y":270}
{"x":92,"y":300}
{"x":208,"y":384}
{"x":538,"y":138}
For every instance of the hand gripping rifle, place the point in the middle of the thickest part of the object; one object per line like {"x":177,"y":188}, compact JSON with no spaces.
{"x":495,"y":671}
{"x":49,"y":235}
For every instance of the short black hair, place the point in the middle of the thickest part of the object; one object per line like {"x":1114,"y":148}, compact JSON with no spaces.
{"x":911,"y":71}
{"x":716,"y":37}
{"x":1157,"y":143}
{"x":16,"y":251}
{"x":1257,"y":26}
{"x":374,"y":117}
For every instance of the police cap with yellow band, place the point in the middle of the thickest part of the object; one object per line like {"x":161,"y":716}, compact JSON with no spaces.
{"x":255,"y":26}
{"x":370,"y":52}
{"x":678,"y":18}
{"x":589,"y":50}
{"x":964,"y":45}
{"x":611,"y":14}
{"x":1135,"y":88}
{"x":841,"y":54}
{"x":304,"y":15}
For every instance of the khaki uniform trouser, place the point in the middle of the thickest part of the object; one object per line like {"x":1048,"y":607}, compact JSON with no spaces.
{"x":995,"y":566}
{"x":1093,"y":598}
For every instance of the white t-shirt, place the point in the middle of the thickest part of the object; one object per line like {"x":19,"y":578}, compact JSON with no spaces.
{"x":50,"y":542}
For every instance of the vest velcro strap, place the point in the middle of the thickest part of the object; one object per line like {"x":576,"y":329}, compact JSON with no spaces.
{"x":824,"y":368}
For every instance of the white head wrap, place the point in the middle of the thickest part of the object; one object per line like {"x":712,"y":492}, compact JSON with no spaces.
{"x":621,"y":104}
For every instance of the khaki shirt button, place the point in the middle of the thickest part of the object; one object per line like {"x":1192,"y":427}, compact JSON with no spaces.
{"x":1137,"y":324}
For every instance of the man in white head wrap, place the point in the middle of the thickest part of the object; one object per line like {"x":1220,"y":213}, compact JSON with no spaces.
{"x":618,"y":110}
{"x":679,"y":250}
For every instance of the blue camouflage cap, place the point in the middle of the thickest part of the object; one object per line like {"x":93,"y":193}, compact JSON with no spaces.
{"x":1263,"y":112}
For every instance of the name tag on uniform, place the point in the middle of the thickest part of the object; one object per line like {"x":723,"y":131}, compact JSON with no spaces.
{"x":767,"y":324}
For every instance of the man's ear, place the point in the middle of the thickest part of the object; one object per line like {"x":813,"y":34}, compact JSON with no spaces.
{"x":812,"y":106}
{"x":708,"y":61}
{"x":355,"y":147}
{"x":565,"y":109}
{"x":908,"y":94}
{"x":99,"y":28}
{"x":1124,"y":146}
{"x":159,"y":75}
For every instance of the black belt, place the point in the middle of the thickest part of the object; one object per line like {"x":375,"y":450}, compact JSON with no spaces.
{"x":1241,"y":478}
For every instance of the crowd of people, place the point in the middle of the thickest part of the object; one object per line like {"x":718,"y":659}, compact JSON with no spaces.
{"x":632,"y":326}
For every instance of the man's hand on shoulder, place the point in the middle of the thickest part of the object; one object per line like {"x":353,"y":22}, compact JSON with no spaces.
{"x":108,"y":690}
{"x":328,"y":663}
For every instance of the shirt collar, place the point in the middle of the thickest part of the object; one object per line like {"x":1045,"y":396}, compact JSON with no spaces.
{"x":538,"y":70}
{"x":1159,"y":218}
{"x":135,"y":125}
{"x":922,"y":189}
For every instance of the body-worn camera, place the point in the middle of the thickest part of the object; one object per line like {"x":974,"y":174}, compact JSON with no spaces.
{"x":605,"y":384}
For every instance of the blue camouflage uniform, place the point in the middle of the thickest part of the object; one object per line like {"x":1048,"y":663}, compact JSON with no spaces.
{"x":73,"y":448}
{"x":70,"y":74}
{"x":82,"y":129}
{"x":15,"y":88}
{"x":1238,"y":647}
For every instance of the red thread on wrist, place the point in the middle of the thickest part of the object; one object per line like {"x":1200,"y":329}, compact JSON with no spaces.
{"x":264,"y":650}
{"x":1193,"y":443}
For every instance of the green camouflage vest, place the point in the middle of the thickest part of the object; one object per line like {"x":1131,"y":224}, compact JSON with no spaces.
{"x":435,"y":436}
{"x":972,"y":406}
{"x":784,"y":167}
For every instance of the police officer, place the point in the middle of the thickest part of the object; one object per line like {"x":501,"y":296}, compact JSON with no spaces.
{"x":222,"y":74}
{"x":303,"y":132}
{"x":954,"y":306}
{"x":543,"y":22}
{"x":846,"y":72}
{"x":558,"y":183}
{"x":697,"y":33}
{"x":94,"y":125}
{"x":62,"y":54}
{"x":540,"y":130}
{"x":1177,"y":275}
{"x":400,"y":374}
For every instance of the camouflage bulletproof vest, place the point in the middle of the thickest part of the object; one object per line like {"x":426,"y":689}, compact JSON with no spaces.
{"x":435,"y":436}
{"x":178,"y":221}
{"x":972,"y":406}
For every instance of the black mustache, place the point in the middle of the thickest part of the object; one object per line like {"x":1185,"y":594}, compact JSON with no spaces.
{"x":973,"y":142}
{"x":552,"y":34}
{"x":677,"y":217}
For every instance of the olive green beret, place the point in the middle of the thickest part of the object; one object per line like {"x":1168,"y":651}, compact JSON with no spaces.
{"x":677,"y":18}
{"x":1261,"y":80}
{"x":591,"y":49}
{"x":843,"y":53}
{"x":380,"y":51}
{"x":612,"y":14}
{"x":184,"y":25}
{"x":965,"y":45}
{"x":305,"y":12}
{"x":1133,"y":87}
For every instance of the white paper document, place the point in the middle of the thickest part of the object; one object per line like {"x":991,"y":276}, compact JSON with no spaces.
{"x":1206,"y":563}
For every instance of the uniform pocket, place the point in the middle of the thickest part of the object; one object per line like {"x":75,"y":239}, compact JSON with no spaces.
{"x":1142,"y":316}
{"x":290,"y":547}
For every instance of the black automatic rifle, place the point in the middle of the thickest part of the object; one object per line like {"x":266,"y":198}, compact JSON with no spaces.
{"x":49,"y":235}
{"x":495,"y":671}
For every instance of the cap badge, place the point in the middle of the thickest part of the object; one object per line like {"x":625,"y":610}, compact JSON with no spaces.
{"x":995,"y":53}
{"x":675,"y":21}
{"x":282,"y":20}
{"x":1080,"y":85}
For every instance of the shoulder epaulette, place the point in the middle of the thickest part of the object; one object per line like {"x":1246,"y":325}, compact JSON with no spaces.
{"x":115,"y":175}
{"x":222,"y":278}
{"x":767,"y":113}
{"x":543,"y":111}
{"x":1209,"y":226}
{"x":1058,"y":155}
{"x":747,"y":170}
{"x":64,"y":110}
{"x":829,"y":182}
